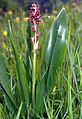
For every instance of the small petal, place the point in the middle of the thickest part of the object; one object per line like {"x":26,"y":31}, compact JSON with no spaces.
{"x":32,"y":39}
{"x":38,"y":34}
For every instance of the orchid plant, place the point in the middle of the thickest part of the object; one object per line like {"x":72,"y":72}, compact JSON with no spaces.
{"x":31,"y":94}
{"x":34,"y":19}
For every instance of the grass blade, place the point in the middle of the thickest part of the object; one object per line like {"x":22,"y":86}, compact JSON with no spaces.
{"x":19,"y":111}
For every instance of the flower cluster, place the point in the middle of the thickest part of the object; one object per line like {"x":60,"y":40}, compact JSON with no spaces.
{"x":34,"y":16}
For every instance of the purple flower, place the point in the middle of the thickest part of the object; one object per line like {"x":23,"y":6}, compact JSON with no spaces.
{"x":34,"y":16}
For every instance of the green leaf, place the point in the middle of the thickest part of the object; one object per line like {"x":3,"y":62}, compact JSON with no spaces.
{"x":27,"y":60}
{"x":22,"y":79}
{"x":56,"y":47}
{"x":28,"y":68}
{"x":58,"y":53}
{"x":40,"y":93}
{"x":5,"y":83}
{"x":53,"y":56}
{"x":1,"y":111}
{"x":29,"y":38}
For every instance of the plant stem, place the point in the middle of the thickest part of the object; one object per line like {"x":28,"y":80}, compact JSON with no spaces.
{"x":69,"y":94}
{"x":34,"y":79}
{"x":34,"y":72}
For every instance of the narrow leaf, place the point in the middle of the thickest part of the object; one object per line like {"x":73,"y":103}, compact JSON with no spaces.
{"x":22,"y":79}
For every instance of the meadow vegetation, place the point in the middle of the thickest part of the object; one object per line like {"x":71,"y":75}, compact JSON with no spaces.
{"x":58,"y":66}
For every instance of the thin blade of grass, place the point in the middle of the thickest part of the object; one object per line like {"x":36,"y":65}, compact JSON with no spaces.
{"x":19,"y":111}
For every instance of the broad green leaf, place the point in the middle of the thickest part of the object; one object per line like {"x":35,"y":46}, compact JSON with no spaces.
{"x":58,"y":52}
{"x":53,"y":56}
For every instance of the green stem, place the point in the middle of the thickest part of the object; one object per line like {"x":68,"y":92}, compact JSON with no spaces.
{"x":69,"y":94}
{"x":34,"y":79}
{"x":34,"y":73}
